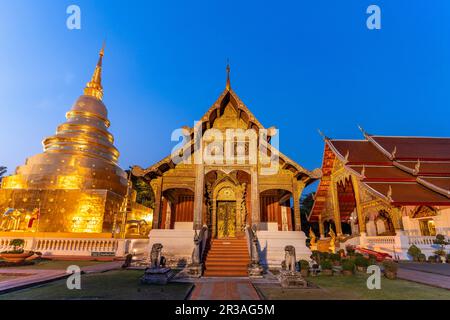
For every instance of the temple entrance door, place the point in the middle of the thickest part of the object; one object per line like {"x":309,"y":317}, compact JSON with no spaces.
{"x":226,"y":219}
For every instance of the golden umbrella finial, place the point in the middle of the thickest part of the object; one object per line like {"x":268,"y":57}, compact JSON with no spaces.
{"x":94,"y":87}
{"x":228,"y":76}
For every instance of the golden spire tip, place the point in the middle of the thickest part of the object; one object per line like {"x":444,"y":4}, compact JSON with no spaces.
{"x":228,"y":76}
{"x":94,"y":87}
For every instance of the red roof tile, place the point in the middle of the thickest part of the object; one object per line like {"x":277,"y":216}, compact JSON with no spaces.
{"x":412,"y":148}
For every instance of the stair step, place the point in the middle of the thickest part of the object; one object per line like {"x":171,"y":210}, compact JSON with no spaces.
{"x":225,"y":274}
{"x":228,"y":268}
{"x":227,"y":258}
{"x":226,"y":265}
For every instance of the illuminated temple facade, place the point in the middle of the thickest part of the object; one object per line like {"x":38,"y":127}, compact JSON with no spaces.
{"x":385,"y":193}
{"x":75,"y":185}
{"x":237,"y":186}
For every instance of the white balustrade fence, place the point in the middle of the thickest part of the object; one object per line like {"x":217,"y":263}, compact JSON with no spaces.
{"x":79,"y":246}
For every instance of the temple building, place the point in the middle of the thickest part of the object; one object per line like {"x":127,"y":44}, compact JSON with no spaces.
{"x":384,"y":193}
{"x":226,"y":176}
{"x":75,"y":188}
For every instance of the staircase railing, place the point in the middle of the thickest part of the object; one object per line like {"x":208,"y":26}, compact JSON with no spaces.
{"x":249,"y":237}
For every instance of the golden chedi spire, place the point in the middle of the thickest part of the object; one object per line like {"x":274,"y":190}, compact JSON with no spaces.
{"x":80,"y":158}
{"x":94,"y":87}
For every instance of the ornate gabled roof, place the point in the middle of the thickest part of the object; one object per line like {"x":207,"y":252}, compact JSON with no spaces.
{"x":400,"y":170}
{"x":227,"y":97}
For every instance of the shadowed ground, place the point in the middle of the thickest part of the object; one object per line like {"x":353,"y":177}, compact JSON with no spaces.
{"x":118,"y":285}
{"x":355,"y":288}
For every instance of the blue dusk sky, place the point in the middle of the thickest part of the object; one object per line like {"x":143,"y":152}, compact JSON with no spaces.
{"x":298,"y":66}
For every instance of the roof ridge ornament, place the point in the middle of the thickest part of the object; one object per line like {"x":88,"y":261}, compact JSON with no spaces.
{"x":394,"y":152}
{"x":363,"y":171}
{"x":323,"y":135}
{"x":363,"y":131}
{"x":417,"y":167}
{"x":346,"y":156}
{"x":389,"y":194}
{"x":228,"y":85}
{"x":94,"y":87}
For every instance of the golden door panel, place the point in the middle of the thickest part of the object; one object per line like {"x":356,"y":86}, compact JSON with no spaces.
{"x":226,"y":220}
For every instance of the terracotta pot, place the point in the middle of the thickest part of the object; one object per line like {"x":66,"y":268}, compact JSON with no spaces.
{"x":327,"y":272}
{"x":390,"y":275}
{"x":304,"y":273}
{"x":347,"y":272}
{"x":15,"y":257}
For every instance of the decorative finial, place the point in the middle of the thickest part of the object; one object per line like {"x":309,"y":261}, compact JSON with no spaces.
{"x":347,"y":155}
{"x":322,"y":135}
{"x":389,"y":193}
{"x":228,"y":76}
{"x":394,"y":152}
{"x":363,"y":131}
{"x":363,"y":171}
{"x":94,"y":87}
{"x":417,"y":167}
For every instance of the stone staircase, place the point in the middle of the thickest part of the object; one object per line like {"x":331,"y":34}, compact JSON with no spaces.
{"x":227,"y":258}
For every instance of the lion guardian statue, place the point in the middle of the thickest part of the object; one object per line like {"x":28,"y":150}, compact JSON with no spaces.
{"x":156,"y":260}
{"x":290,"y":259}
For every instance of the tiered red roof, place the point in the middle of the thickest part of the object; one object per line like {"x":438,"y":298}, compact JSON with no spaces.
{"x":402,"y":170}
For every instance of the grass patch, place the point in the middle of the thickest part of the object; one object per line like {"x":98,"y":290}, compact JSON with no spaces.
{"x":113,"y":285}
{"x":57,"y":265}
{"x":355,"y":288}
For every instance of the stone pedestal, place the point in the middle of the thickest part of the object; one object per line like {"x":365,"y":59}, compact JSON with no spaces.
{"x":195,"y":270}
{"x":292,"y":280}
{"x":157,"y":276}
{"x":255,"y":271}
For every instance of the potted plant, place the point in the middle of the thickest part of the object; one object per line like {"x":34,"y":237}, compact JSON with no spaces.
{"x":422,"y":257}
{"x":361,"y":263}
{"x":304,"y":268}
{"x":431,"y":259}
{"x":18,"y":254}
{"x":335,"y":259}
{"x":327,"y":267}
{"x":441,"y":241}
{"x":414,"y":252}
{"x":315,"y":256}
{"x":440,"y":255}
{"x":390,"y":269}
{"x":348,"y":267}
{"x":350,"y":250}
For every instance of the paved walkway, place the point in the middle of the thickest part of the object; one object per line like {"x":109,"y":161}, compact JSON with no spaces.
{"x":431,"y":279}
{"x":224,"y":289}
{"x":24,"y":278}
{"x":438,"y":268}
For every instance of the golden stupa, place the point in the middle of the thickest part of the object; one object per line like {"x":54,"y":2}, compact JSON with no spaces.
{"x":75,"y":185}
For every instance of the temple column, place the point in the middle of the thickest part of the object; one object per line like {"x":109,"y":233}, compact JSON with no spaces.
{"x":198,"y":196}
{"x":156,"y":185}
{"x":361,"y":220}
{"x":396,"y":217}
{"x":255,"y":196}
{"x":337,"y":213}
{"x":321,"y":228}
{"x":298,"y":190}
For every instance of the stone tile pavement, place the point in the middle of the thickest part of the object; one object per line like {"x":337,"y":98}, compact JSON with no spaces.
{"x":224,"y":289}
{"x":428,"y":278}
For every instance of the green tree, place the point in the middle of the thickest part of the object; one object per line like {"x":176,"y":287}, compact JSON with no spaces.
{"x":2,"y":171}
{"x":306,"y":204}
{"x":145,"y":195}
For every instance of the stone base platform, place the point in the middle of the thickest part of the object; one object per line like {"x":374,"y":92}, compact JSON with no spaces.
{"x":157,"y":276}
